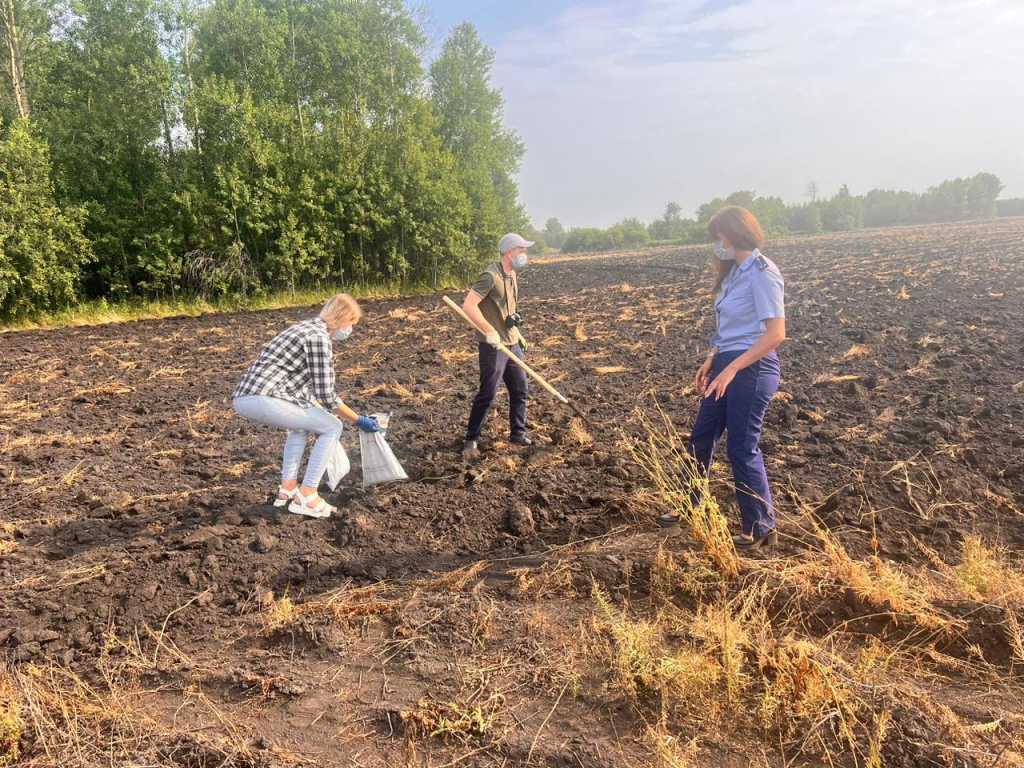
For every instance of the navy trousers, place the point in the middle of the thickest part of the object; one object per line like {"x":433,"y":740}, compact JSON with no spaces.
{"x":494,"y":369}
{"x":741,"y":413}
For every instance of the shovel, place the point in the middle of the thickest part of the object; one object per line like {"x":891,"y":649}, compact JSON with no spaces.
{"x":522,"y":364}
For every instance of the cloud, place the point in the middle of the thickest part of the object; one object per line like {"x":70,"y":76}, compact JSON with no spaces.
{"x":626,"y":105}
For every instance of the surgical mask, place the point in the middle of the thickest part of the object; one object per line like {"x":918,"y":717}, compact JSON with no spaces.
{"x":342,"y":333}
{"x":723,"y":253}
{"x":520,"y":261}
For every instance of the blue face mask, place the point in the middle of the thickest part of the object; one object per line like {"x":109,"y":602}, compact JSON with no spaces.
{"x":342,"y":333}
{"x":520,"y":261}
{"x":723,"y":253}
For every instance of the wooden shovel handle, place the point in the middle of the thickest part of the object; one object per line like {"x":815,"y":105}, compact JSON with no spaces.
{"x":511,"y":355}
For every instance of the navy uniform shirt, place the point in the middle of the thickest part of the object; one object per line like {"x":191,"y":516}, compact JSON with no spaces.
{"x":753,"y":292}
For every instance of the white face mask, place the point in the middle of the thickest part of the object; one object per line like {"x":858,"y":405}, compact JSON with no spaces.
{"x":519,"y":261}
{"x":342,"y":333}
{"x":723,"y":253}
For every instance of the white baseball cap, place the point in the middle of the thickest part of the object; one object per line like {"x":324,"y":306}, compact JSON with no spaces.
{"x":512,"y":240}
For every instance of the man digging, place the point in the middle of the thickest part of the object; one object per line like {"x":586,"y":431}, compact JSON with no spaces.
{"x":492,"y":305}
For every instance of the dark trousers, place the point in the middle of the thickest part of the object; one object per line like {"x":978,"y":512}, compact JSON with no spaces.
{"x":494,"y":369}
{"x":741,"y":413}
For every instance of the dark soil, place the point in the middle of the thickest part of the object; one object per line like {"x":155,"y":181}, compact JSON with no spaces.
{"x":134,"y":498}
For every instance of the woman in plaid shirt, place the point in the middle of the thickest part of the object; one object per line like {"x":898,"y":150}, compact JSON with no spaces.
{"x":291,"y":386}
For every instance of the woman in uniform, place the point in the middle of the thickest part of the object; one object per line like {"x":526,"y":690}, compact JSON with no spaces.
{"x":740,"y":373}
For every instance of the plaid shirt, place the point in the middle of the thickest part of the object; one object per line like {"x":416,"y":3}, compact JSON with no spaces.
{"x":296,"y":366}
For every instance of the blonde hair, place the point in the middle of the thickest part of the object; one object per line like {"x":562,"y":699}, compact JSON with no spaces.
{"x":341,"y":310}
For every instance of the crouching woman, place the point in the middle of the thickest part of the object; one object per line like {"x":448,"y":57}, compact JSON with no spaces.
{"x":741,"y":372}
{"x":291,"y":386}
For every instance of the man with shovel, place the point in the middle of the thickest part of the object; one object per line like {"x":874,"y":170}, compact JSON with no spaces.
{"x":492,"y":305}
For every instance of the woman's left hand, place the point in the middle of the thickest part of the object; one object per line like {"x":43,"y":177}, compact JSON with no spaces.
{"x":720,"y":383}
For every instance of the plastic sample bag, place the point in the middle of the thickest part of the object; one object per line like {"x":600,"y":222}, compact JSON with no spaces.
{"x":338,"y":466}
{"x":379,"y":463}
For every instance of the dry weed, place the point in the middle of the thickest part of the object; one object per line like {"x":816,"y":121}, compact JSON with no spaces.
{"x":671,"y":751}
{"x":11,"y":724}
{"x":69,"y":721}
{"x":458,"y":721}
{"x":857,"y":351}
{"x":642,"y":664}
{"x":877,"y":583}
{"x":577,"y":433}
{"x":984,"y":574}
{"x":676,"y":481}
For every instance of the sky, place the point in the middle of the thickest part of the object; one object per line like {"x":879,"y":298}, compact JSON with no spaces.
{"x":624,"y":106}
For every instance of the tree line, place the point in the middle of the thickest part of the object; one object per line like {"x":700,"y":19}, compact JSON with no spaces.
{"x":952,"y":200}
{"x":159,"y":147}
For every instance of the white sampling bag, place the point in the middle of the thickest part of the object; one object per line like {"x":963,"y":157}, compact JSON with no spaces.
{"x":338,"y":466}
{"x":379,"y":463}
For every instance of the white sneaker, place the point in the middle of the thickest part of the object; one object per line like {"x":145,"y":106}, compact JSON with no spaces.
{"x":310,"y":506}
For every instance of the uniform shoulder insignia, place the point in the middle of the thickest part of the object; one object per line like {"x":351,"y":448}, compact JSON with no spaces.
{"x":761,"y":262}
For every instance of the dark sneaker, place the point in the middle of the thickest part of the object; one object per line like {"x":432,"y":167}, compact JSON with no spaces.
{"x":520,"y":440}
{"x":747,"y":541}
{"x":470,"y":450}
{"x":669,"y":520}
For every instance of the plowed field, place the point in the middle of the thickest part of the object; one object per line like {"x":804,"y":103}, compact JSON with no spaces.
{"x":525,"y":610}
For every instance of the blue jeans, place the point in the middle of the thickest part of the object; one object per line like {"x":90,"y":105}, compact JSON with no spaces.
{"x":741,"y":413}
{"x":494,"y":369}
{"x":299,"y":422}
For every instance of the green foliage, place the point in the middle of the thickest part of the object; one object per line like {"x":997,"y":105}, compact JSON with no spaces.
{"x":843,"y":212}
{"x":101,"y":110}
{"x":554,"y":233}
{"x":243,"y":146}
{"x":41,"y":243}
{"x":951,"y":200}
{"x":805,"y":219}
{"x":628,"y":233}
{"x":487,"y":154}
{"x":1014,"y":206}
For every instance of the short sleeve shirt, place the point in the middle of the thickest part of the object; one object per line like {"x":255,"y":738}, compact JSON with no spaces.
{"x":500,"y":298}
{"x":751,"y":293}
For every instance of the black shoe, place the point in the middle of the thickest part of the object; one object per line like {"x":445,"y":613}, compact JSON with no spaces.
{"x":470,"y":450}
{"x":520,"y":440}
{"x":668,"y":520}
{"x":746,"y":541}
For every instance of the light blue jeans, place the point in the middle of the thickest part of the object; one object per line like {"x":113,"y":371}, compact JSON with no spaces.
{"x":299,"y":422}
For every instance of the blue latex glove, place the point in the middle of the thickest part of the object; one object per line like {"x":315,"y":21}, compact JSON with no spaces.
{"x":367,"y":424}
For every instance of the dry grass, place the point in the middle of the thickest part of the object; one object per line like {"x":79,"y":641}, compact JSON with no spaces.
{"x":476,"y":717}
{"x":11,"y":723}
{"x":830,"y":378}
{"x":577,"y":433}
{"x":642,"y":665}
{"x":878,"y":584}
{"x":671,"y":751}
{"x":455,"y":356}
{"x":69,"y":721}
{"x":676,"y":480}
{"x":238,"y":470}
{"x":341,"y":607}
{"x":396,"y":390}
{"x":984,"y":574}
{"x":348,"y":604}
{"x":857,"y":351}
{"x":553,"y":579}
{"x":70,"y":577}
